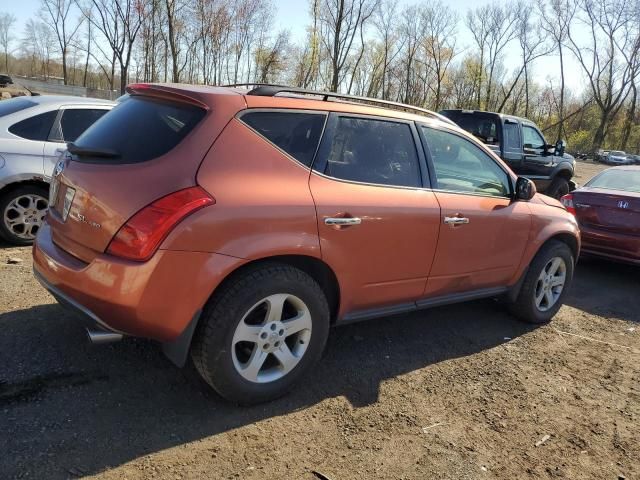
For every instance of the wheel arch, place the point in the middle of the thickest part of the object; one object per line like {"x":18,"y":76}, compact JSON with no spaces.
{"x":35,"y":182}
{"x":178,"y":350}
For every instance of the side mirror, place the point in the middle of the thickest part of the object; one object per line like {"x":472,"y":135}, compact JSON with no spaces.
{"x":525,"y":189}
{"x":560,"y":148}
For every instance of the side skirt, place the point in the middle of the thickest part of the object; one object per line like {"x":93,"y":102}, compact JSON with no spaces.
{"x":370,"y":314}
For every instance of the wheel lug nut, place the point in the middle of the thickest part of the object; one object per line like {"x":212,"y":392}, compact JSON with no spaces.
{"x":263,"y":335}
{"x":277,"y":344}
{"x":273,"y":326}
{"x":266,"y":346}
{"x":281,"y":332}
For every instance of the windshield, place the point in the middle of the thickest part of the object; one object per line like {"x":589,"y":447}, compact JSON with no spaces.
{"x":625,"y":180}
{"x":617,"y":153}
{"x":13,"y":105}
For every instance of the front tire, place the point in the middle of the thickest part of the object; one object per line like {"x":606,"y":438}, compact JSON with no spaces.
{"x":261,"y":333}
{"x":22,"y":211}
{"x":545,"y":285}
{"x":559,"y":187}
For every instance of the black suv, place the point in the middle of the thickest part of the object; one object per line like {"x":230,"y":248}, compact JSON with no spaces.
{"x":520,"y":143}
{"x":5,"y":80}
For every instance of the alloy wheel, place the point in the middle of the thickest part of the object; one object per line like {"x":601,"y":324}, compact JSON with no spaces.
{"x":23,"y":216}
{"x":550,"y":283}
{"x":271,"y":338}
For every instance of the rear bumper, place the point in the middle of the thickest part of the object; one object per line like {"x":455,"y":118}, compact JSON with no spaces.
{"x":155,"y":299}
{"x":615,"y":246}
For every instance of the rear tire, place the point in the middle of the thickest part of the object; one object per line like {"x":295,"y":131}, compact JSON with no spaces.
{"x":541,"y":295}
{"x":261,"y":333}
{"x":558,"y":188}
{"x":22,"y":210}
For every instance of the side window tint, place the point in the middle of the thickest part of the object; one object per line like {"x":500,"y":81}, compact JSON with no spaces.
{"x":532,"y":138}
{"x":298,"y":134}
{"x":461,"y":166}
{"x":511,"y":136}
{"x":36,"y":127}
{"x":75,"y":121}
{"x":374,"y":151}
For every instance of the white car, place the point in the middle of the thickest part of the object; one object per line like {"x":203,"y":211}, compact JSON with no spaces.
{"x":33,"y":133}
{"x":616,"y":157}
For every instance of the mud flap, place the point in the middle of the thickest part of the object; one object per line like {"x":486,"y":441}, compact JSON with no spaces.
{"x":178,"y":350}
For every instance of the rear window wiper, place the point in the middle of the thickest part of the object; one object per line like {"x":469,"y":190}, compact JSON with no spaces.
{"x":91,"y":152}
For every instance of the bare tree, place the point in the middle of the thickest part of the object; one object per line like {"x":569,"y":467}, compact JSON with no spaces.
{"x":440,"y":23}
{"x":555,"y":20}
{"x":119,"y":21}
{"x":608,"y":58}
{"x":57,"y":14}
{"x":342,"y":19}
{"x":7,"y":21}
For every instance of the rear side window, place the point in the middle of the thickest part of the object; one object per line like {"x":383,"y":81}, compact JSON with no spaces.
{"x":374,"y":151}
{"x":511,"y":136}
{"x":298,"y":134}
{"x":75,"y":121}
{"x":138,"y":129}
{"x":36,"y":127}
{"x":13,"y":105}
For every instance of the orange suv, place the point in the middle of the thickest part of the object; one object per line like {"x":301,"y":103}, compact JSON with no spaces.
{"x":238,"y":225}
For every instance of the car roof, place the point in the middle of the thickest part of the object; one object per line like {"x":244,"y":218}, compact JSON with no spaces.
{"x":300,"y":99}
{"x":64,"y":99}
{"x":500,"y":115}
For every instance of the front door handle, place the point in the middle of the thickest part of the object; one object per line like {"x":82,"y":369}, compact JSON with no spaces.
{"x":456,"y":220}
{"x":342,"y":221}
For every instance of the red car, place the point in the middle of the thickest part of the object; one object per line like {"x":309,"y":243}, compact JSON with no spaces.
{"x":608,"y":212}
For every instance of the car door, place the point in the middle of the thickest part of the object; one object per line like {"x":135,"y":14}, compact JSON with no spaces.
{"x":536,"y":160}
{"x":71,"y":122}
{"x":512,"y":144}
{"x":484,"y":232}
{"x":378,"y":226}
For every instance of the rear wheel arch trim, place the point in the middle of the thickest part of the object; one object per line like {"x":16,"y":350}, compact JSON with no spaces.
{"x":177,"y":350}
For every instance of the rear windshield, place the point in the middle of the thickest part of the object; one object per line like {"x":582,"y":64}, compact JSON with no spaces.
{"x":482,"y":127}
{"x":13,"y":105}
{"x":625,"y":180}
{"x":138,"y":129}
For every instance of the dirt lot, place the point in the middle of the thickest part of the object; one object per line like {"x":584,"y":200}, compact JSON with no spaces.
{"x":463,"y":392}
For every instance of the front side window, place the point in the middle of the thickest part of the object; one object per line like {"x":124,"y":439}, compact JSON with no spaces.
{"x":36,"y":127}
{"x":296,"y":133}
{"x":461,"y":166}
{"x":532,"y":139}
{"x":75,"y":121}
{"x":373,"y":151}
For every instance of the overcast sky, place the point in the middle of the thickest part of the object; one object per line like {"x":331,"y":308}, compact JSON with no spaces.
{"x":294,"y":16}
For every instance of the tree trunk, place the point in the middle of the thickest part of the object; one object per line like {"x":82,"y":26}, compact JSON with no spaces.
{"x":64,"y":64}
{"x":631,"y":114}
{"x":598,"y":139}
{"x":561,"y":106}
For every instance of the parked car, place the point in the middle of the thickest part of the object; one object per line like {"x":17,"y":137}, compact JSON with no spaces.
{"x":33,"y":132}
{"x":616,"y":157}
{"x":5,"y":80}
{"x":635,"y":158}
{"x":601,"y":156}
{"x":608,"y":212}
{"x":248,"y":222}
{"x":520,"y":143}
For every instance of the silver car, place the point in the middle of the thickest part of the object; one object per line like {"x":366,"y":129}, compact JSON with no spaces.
{"x":616,"y":157}
{"x":33,"y":134}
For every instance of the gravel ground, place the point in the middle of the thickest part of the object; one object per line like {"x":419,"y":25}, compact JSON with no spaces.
{"x":461,"y":392}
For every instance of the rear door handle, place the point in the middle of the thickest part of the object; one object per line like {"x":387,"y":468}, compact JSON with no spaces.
{"x":456,"y":220}
{"x":342,"y":221}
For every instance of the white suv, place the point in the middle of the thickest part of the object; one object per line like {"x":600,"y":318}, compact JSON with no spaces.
{"x":33,"y":133}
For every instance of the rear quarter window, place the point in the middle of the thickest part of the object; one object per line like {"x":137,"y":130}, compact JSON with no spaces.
{"x":296,"y":133}
{"x":139,"y":129}
{"x":37,"y":127}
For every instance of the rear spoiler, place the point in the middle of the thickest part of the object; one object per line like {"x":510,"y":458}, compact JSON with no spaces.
{"x":165,"y":93}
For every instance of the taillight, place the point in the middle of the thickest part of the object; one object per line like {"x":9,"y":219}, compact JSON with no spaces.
{"x":140,"y":237}
{"x":567,"y":201}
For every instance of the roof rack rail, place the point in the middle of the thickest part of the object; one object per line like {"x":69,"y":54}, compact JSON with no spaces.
{"x":271,"y":90}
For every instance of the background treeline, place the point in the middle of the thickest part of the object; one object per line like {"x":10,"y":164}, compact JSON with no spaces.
{"x":377,"y":48}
